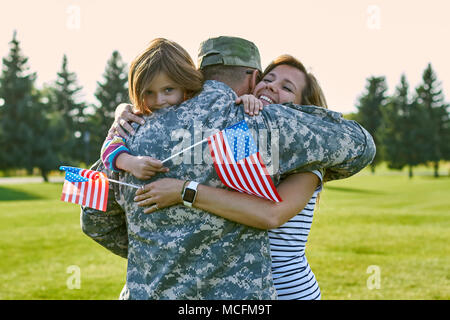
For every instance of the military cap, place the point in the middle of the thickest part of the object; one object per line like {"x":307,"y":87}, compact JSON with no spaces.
{"x":229,"y":51}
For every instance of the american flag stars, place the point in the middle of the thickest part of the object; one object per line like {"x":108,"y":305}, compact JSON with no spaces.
{"x":85,"y":187}
{"x":238,"y":163}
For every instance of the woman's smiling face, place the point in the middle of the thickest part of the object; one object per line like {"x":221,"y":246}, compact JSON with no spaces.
{"x":282,"y":84}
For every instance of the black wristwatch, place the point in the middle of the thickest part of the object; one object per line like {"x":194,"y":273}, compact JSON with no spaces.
{"x":190,"y":193}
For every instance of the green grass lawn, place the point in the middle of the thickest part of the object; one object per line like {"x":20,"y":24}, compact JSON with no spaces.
{"x":398,"y":225}
{"x":401,"y":226}
{"x":41,"y":239}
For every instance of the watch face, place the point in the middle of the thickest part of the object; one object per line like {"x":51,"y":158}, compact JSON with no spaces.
{"x":189,"y":195}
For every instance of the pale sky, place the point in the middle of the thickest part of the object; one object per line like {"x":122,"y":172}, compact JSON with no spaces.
{"x":342,"y":42}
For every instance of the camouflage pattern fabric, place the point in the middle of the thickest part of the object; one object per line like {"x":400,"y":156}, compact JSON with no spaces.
{"x":186,"y":253}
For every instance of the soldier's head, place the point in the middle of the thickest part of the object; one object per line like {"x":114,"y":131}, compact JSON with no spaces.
{"x":286,"y":80}
{"x":234,"y":61}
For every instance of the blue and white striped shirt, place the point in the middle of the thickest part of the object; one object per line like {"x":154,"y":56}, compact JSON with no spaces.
{"x":291,"y":273}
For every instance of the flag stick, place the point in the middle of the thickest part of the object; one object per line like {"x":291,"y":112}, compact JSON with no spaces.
{"x":176,"y":154}
{"x":172,"y":156}
{"x":125,"y":184}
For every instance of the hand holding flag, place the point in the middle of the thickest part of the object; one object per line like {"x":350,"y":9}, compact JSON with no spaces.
{"x":236,"y":160}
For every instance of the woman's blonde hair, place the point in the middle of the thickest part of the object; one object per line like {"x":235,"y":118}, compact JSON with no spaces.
{"x":162,"y":56}
{"x":312,"y":93}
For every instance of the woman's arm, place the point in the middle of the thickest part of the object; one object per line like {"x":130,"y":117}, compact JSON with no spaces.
{"x":295,"y":190}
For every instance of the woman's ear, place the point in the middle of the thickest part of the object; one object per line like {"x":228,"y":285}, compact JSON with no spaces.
{"x":254,"y":79}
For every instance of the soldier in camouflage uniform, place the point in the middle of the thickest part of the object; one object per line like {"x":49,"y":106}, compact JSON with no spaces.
{"x":186,"y":253}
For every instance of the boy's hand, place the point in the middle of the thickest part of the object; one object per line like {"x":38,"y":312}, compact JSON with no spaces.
{"x":252,"y":105}
{"x":144,"y":168}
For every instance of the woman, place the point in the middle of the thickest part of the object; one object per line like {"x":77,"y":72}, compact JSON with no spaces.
{"x":284,"y":80}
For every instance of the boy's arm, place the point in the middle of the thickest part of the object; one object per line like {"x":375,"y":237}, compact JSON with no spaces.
{"x":116,"y":156}
{"x":108,"y":228}
{"x":111,"y":149}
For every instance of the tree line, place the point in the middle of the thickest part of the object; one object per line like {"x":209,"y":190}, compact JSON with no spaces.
{"x":48,"y":127}
{"x":52,"y":126}
{"x":409,"y":128}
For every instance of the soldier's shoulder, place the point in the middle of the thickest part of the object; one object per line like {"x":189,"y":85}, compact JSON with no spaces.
{"x":218,"y":87}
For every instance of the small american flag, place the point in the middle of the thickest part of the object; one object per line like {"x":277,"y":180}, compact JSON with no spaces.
{"x":85,"y":187}
{"x":238,"y":163}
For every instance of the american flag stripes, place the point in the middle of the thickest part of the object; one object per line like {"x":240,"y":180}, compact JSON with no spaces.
{"x":238,"y":163}
{"x":85,"y":187}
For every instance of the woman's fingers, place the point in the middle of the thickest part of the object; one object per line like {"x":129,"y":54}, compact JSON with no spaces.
{"x":144,"y":189}
{"x":121,"y":132}
{"x":145,"y":202}
{"x":121,"y":109}
{"x":151,"y":209}
{"x":123,"y":116}
{"x":129,"y":116}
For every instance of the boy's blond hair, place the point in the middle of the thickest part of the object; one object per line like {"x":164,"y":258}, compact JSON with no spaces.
{"x":162,"y":56}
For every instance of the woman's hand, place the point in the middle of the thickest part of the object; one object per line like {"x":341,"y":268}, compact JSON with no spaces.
{"x":159,"y":194}
{"x":252,"y":105}
{"x":123,"y":115}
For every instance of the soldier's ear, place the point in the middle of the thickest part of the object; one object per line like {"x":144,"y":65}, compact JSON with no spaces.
{"x":254,"y":79}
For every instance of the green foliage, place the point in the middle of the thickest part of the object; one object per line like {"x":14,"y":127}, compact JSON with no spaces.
{"x":23,"y":117}
{"x":431,"y":99}
{"x":16,"y":91}
{"x":402,"y":130}
{"x":52,"y":126}
{"x":369,"y":110}
{"x":111,"y":91}
{"x":69,"y":116}
{"x":407,"y":131}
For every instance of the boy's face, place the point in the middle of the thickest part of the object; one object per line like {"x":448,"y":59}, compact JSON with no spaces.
{"x":162,"y":92}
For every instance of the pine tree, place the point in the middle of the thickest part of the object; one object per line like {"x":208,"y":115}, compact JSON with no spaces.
{"x":2,"y":154}
{"x":110,"y":92}
{"x":66,"y":102}
{"x":369,"y":111}
{"x":25,"y":132}
{"x":402,"y":130}
{"x":431,"y":98}
{"x":45,"y":153}
{"x":16,"y":120}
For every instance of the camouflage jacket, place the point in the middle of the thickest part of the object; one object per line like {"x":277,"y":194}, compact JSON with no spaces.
{"x":186,"y":253}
